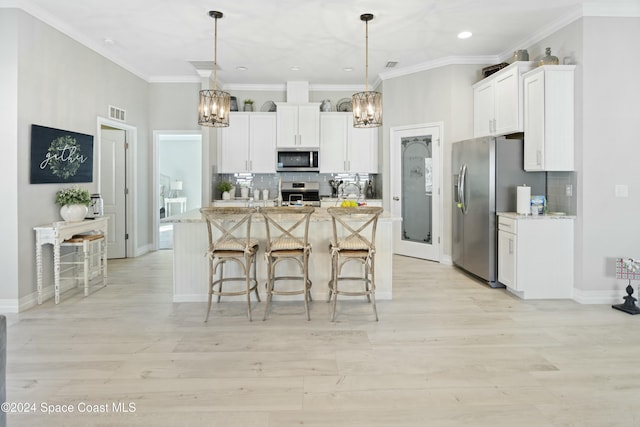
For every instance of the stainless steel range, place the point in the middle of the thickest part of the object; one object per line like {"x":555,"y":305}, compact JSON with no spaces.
{"x":306,"y":193}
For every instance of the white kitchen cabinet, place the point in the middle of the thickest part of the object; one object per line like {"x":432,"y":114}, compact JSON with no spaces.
{"x":535,"y":255}
{"x":298,"y":125}
{"x":344,"y":148}
{"x":548,"y":118}
{"x":248,"y":144}
{"x":498,"y":106}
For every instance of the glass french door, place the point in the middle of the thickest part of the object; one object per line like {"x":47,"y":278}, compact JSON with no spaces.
{"x":415,"y":190}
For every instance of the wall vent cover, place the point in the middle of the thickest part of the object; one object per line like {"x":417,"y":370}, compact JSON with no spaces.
{"x":391,"y":64}
{"x":117,"y":113}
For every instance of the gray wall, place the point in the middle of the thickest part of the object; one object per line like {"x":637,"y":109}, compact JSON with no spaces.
{"x":608,"y":226}
{"x":62,"y":84}
{"x":438,"y":95}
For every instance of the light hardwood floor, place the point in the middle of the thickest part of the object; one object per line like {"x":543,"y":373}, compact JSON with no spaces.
{"x":447,"y":351}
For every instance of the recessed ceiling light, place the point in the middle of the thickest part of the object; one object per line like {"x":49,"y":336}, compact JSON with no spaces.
{"x":241,"y":68}
{"x":347,"y":69}
{"x":295,"y":68}
{"x":465,"y":34}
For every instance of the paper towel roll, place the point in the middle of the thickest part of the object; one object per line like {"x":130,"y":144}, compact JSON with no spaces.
{"x":523,"y":204}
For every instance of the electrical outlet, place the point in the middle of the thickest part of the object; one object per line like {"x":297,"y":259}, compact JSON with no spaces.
{"x":568,"y":190}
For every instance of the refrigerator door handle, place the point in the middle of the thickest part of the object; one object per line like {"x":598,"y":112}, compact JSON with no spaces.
{"x":462,"y":188}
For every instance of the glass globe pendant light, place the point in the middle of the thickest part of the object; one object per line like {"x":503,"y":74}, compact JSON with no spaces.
{"x":213,"y":105}
{"x":367,"y":106}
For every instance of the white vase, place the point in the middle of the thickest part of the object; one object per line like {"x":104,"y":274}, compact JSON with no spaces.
{"x":244,"y":192}
{"x":226,"y":195}
{"x":73,"y":213}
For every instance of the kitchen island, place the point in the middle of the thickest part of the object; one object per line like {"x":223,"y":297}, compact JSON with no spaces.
{"x":191,"y":267}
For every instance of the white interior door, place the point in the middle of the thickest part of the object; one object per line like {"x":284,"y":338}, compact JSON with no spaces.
{"x":113,"y":169}
{"x":415,"y":190}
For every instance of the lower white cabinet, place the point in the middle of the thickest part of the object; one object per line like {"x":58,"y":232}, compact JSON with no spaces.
{"x":535,"y":255}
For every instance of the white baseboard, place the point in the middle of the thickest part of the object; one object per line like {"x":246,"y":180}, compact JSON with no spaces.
{"x":446,"y":260}
{"x":598,"y":297}
{"x":143,"y":250}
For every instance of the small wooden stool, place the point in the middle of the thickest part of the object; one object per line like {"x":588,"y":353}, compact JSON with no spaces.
{"x":94,"y":259}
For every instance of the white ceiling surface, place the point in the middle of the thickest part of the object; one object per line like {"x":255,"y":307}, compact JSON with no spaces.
{"x":161,"y":40}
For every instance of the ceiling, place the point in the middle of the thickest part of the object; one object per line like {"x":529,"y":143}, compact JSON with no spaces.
{"x":169,"y":40}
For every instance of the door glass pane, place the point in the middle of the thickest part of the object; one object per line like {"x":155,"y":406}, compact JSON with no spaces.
{"x":417,"y":186}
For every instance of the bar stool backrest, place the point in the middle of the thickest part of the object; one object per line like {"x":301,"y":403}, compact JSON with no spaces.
{"x":292,"y":236}
{"x":354,"y":228}
{"x":229,"y":228}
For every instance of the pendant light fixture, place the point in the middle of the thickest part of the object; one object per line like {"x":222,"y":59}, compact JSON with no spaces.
{"x":213,"y":105}
{"x":367,"y":106}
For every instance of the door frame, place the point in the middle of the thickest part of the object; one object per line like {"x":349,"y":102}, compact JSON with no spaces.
{"x":155,"y":180}
{"x":439,"y":224}
{"x":131,"y":213}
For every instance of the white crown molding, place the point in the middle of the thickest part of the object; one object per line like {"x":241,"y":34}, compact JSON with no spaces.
{"x":442,"y":62}
{"x":175,"y":79}
{"x":279,"y":87}
{"x":35,"y":11}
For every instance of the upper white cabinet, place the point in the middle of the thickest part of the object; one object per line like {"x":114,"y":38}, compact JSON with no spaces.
{"x":548,"y":118}
{"x":344,"y":148}
{"x":298,"y":125}
{"x":248,"y":144}
{"x":498,"y":101}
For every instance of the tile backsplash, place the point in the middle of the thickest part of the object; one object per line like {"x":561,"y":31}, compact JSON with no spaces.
{"x":559,"y":185}
{"x":270,"y":181}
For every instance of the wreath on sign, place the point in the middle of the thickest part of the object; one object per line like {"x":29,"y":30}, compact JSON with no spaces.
{"x":65,"y":157}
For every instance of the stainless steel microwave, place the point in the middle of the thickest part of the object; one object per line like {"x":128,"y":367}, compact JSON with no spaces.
{"x":297,"y":160}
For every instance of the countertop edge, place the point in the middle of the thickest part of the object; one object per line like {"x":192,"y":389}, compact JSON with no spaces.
{"x":320,"y":215}
{"x":518,"y":216}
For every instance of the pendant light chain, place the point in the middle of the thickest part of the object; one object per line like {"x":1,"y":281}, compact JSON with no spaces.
{"x":367,"y":106}
{"x":215,"y":54}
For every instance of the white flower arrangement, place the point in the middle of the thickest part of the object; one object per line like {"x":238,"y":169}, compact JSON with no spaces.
{"x":73,"y":196}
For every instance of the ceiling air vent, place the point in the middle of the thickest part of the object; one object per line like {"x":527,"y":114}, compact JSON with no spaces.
{"x":391,"y":64}
{"x":116,"y":113}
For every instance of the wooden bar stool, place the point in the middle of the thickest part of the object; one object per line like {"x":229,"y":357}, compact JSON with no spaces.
{"x":90,"y":253}
{"x":354,"y":235}
{"x":288,"y":240}
{"x":230,"y":242}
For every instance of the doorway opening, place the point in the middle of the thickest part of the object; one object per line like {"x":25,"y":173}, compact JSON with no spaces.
{"x":177,"y":180}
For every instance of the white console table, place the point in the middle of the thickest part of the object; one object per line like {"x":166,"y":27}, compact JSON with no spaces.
{"x":56,"y":233}
{"x":180,"y":200}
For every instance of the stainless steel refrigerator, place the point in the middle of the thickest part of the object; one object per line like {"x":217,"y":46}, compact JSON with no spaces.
{"x":486,"y":172}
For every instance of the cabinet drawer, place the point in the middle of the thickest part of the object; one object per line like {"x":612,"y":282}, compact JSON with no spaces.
{"x":507,"y":224}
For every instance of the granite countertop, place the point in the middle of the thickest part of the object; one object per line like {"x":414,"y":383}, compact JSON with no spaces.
{"x":319,"y":215}
{"x":550,"y":215}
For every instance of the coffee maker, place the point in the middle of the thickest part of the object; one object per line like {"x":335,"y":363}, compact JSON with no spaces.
{"x":96,"y":207}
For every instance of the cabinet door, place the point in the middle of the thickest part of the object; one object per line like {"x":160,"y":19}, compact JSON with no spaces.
{"x":234,"y":145}
{"x":507,"y":259}
{"x":287,"y":125}
{"x":334,"y":132}
{"x":483,"y":111}
{"x":262,"y":143}
{"x":534,"y":122}
{"x":507,"y":108}
{"x":362,"y":153}
{"x":309,"y":125}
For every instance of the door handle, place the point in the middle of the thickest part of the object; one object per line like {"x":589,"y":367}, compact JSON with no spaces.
{"x":396,"y":198}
